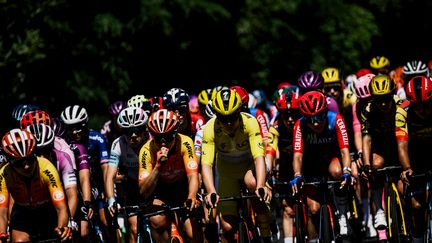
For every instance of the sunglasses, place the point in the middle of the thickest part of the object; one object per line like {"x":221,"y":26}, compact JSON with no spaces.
{"x":229,"y":118}
{"x":75,"y":128}
{"x":167,"y":138}
{"x":336,"y":88}
{"x":133,"y":130}
{"x":319,"y":118}
{"x":293,"y":113}
{"x":20,"y":163}
{"x":383,"y":99}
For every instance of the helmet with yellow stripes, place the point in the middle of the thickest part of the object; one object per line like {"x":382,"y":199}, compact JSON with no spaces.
{"x":382,"y":84}
{"x":226,"y":102}
{"x":331,"y":75}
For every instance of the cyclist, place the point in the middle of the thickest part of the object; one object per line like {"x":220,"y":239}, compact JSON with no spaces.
{"x":75,"y":118}
{"x":45,"y":147}
{"x":385,"y":139}
{"x":21,"y":109}
{"x":124,"y":155}
{"x":167,"y":164}
{"x":311,"y":80}
{"x":380,"y":65}
{"x":40,"y":208}
{"x":177,"y":100}
{"x":279,"y":149}
{"x":419,"y":93}
{"x":321,"y":145}
{"x":110,"y":128}
{"x":233,"y":147}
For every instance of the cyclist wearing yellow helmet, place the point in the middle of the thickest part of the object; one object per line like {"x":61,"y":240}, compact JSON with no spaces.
{"x":380,"y":65}
{"x":232,"y":141}
{"x":385,"y":137}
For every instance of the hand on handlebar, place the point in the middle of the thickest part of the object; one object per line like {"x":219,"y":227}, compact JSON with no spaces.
{"x":405,"y":175}
{"x":347,"y":179}
{"x":211,"y":199}
{"x":297,"y":184}
{"x":264,"y":193}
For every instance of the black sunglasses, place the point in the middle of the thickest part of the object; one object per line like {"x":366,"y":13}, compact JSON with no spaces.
{"x":229,"y":118}
{"x":167,"y":138}
{"x":134,"y":130}
{"x":20,"y":163}
{"x":319,"y":118}
{"x":293,"y":113}
{"x":327,"y":89}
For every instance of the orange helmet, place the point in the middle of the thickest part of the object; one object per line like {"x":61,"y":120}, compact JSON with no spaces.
{"x":163,"y":122}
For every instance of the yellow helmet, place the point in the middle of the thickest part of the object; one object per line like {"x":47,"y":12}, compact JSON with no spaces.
{"x":226,"y":102}
{"x":382,"y":84}
{"x":379,"y":62}
{"x":205,"y":96}
{"x":331,"y":75}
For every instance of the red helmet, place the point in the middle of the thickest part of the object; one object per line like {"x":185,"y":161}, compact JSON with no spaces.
{"x":244,"y":94}
{"x":312,"y":103}
{"x":419,"y":89}
{"x":18,"y":143}
{"x":363,"y":72}
{"x":163,"y":122}
{"x":35,"y":117}
{"x":284,"y":85}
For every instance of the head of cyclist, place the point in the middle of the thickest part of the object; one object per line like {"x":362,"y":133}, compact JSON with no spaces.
{"x":133,"y":122}
{"x":163,"y":126}
{"x":177,"y":100}
{"x":415,"y":68}
{"x":194,"y":105}
{"x":382,"y":88}
{"x":313,"y":107}
{"x":75,"y":119}
{"x":139,"y":101}
{"x":244,"y":95}
{"x":333,"y":84}
{"x":282,"y":85}
{"x":287,"y":104}
{"x":156,"y":103}
{"x":58,"y":127}
{"x":18,"y":145}
{"x":227,"y":106}
{"x":361,"y":86}
{"x":419,"y":93}
{"x":310,"y":80}
{"x":362,"y":72}
{"x":208,"y":112}
{"x":35,"y":117}
{"x":380,"y":65}
{"x":44,"y":136}
{"x":21,"y":109}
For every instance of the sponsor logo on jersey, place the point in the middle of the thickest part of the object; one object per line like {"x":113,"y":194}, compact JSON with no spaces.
{"x":143,"y":175}
{"x":51,"y":178}
{"x":189,"y":149}
{"x":192,"y":165}
{"x":2,"y":199}
{"x":58,"y":195}
{"x":343,"y":130}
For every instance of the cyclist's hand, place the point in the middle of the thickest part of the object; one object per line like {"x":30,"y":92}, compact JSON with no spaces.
{"x":347,"y":179}
{"x":4,"y":237}
{"x":405,"y":174}
{"x":264,"y":193}
{"x":64,"y":233}
{"x":73,"y":225}
{"x":366,"y":171}
{"x":297,"y":184}
{"x":162,"y":155}
{"x":87,"y":209}
{"x":212,"y":199}
{"x":192,"y":203}
{"x":112,"y":207}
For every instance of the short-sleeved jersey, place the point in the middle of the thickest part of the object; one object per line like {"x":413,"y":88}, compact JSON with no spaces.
{"x":62,"y":145}
{"x":44,"y":187}
{"x":181,"y":160}
{"x":244,"y":143}
{"x":63,"y":163}
{"x":334,"y":134}
{"x":379,"y":125}
{"x":122,"y":155}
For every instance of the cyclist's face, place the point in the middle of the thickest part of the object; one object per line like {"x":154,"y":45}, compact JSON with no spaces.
{"x":384,"y":103}
{"x":25,"y":166}
{"x":135,"y":136}
{"x":77,"y":132}
{"x":317,"y":122}
{"x":334,"y":90}
{"x":290,"y":116}
{"x":230,"y":122}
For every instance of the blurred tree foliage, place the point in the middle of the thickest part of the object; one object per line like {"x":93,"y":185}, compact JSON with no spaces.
{"x":58,"y":52}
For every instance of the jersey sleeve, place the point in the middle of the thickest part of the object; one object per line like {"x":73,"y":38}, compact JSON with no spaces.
{"x":272,"y":141}
{"x":341,"y":132}
{"x":263,"y":124}
{"x":189,"y":158}
{"x":52,"y":179}
{"x":297,"y":137}
{"x":4,"y":193}
{"x":364,"y":121}
{"x":198,"y":141}
{"x":103,"y":148}
{"x":401,"y":124}
{"x":115,"y":153}
{"x":81,"y":156}
{"x":66,"y":169}
{"x":208,"y":144}
{"x":255,"y":138}
{"x":144,"y":162}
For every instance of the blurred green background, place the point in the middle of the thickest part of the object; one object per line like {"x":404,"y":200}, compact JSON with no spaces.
{"x":56,"y":52}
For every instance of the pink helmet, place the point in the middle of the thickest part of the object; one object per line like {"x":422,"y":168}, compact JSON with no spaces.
{"x":361,"y":86}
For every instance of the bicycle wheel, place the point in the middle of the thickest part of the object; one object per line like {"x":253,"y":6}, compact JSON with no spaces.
{"x":393,"y":217}
{"x":326,"y":234}
{"x":300,"y":223}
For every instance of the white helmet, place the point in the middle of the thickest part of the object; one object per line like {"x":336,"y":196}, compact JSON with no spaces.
{"x":132,"y":117}
{"x":43,"y":134}
{"x":416,"y":67}
{"x":74,"y":114}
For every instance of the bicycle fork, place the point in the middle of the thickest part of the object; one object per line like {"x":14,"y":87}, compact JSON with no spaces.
{"x":398,"y":202}
{"x":175,"y":234}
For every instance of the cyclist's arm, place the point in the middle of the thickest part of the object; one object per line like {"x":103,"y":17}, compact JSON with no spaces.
{"x":148,"y":174}
{"x":112,"y":168}
{"x":401,"y":132}
{"x":272,"y":147}
{"x":367,"y":144}
{"x":366,"y":137}
{"x":208,"y":156}
{"x":69,"y":181}
{"x":257,"y":149}
{"x":343,"y":141}
{"x":191,"y":166}
{"x":403,"y":154}
{"x":357,"y":129}
{"x":297,"y":149}
{"x":4,"y":203}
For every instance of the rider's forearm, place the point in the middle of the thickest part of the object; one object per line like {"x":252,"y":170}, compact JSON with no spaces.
{"x":207,"y":177}
{"x":346,"y":159}
{"x":3,"y":219}
{"x":62,"y":215}
{"x":367,"y":141}
{"x":72,"y":197}
{"x":193,"y":185}
{"x":109,"y":181}
{"x":84,"y":175}
{"x":297,"y":164}
{"x":403,"y":154}
{"x":148,"y":184}
{"x":260,"y":168}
